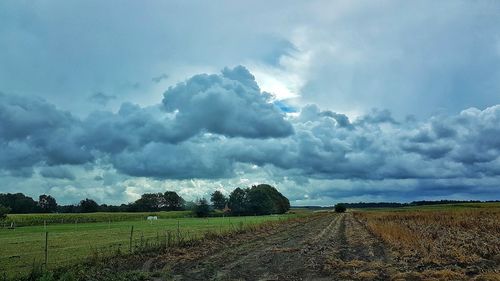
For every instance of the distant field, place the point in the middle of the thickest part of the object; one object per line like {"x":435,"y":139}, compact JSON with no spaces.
{"x":72,"y":242}
{"x":437,"y":207}
{"x":41,"y":219}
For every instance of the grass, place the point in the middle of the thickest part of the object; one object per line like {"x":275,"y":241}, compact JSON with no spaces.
{"x":72,"y":243}
{"x":41,"y":219}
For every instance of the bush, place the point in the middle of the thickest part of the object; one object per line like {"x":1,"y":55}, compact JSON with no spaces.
{"x":339,"y":208}
{"x":202,"y":209}
{"x":3,"y":212}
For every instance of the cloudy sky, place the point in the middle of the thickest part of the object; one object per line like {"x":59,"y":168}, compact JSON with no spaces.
{"x":327,"y":100}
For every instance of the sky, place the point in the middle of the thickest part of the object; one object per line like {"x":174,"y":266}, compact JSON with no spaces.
{"x":329,"y":101}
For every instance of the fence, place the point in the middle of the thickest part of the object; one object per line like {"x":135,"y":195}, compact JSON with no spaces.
{"x":51,"y":246}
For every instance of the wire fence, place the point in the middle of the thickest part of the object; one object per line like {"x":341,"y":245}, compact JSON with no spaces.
{"x":24,"y":249}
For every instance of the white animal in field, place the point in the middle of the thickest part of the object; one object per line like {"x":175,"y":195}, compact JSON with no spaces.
{"x":152,"y":218}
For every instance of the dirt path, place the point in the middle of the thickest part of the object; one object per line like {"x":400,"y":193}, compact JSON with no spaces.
{"x":324,"y":247}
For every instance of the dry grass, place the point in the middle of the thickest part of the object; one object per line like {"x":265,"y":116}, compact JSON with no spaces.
{"x":441,"y":245}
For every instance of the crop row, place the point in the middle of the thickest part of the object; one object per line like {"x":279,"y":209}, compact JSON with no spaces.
{"x":445,"y":238}
{"x":41,"y":219}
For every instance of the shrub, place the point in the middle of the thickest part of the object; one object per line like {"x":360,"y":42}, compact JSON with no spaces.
{"x":202,"y":209}
{"x":339,"y":208}
{"x":3,"y":212}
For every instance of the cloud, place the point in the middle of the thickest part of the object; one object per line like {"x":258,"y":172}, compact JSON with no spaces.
{"x":229,"y":104}
{"x":223,"y":128}
{"x":181,"y":161}
{"x":159,"y":78}
{"x":33,"y":131}
{"x":57,"y":172}
{"x":101,"y":98}
{"x":131,"y":127}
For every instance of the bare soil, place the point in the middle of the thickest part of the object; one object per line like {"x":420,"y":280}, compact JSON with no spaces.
{"x":323,"y":247}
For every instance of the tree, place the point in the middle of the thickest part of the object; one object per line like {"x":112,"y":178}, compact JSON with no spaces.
{"x":47,"y":203}
{"x":272,"y":201}
{"x":67,"y":209}
{"x":259,"y":202}
{"x":18,"y":203}
{"x":261,"y":199}
{"x":149,"y":202}
{"x":202,"y":209}
{"x":3,"y":212}
{"x":238,"y":201}
{"x":339,"y":208}
{"x":218,"y":200}
{"x":88,"y":206}
{"x":173,"y":201}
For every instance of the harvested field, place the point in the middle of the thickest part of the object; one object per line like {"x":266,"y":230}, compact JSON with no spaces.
{"x":460,"y":244}
{"x":350,"y":246}
{"x":432,"y":245}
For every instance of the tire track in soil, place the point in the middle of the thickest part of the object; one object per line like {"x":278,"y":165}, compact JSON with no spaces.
{"x":276,"y":257}
{"x":324,"y":247}
{"x":356,"y":254}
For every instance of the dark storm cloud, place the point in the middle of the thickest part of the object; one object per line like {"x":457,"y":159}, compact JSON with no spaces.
{"x":22,"y":117}
{"x":57,"y":172}
{"x":33,"y":131}
{"x":181,"y":161}
{"x":131,"y":127}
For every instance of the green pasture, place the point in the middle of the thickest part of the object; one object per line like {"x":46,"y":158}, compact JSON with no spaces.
{"x":42,"y":219}
{"x":69,"y":243}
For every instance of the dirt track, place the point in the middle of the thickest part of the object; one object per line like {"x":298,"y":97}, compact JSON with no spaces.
{"x":324,"y":247}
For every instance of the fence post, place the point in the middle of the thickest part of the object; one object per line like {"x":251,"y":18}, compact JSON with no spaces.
{"x":131,"y":234}
{"x":46,"y":249}
{"x":178,"y":231}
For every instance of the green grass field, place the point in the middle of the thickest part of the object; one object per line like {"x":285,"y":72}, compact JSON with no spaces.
{"x":41,"y":219}
{"x":70,"y":243}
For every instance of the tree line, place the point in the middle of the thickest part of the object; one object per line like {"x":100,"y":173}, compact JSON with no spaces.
{"x":18,"y":203}
{"x":361,"y":205}
{"x":257,"y":200}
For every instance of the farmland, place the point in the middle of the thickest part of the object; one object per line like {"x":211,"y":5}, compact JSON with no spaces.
{"x":446,"y":242}
{"x":70,"y":243}
{"x":451,"y":242}
{"x":70,"y":218}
